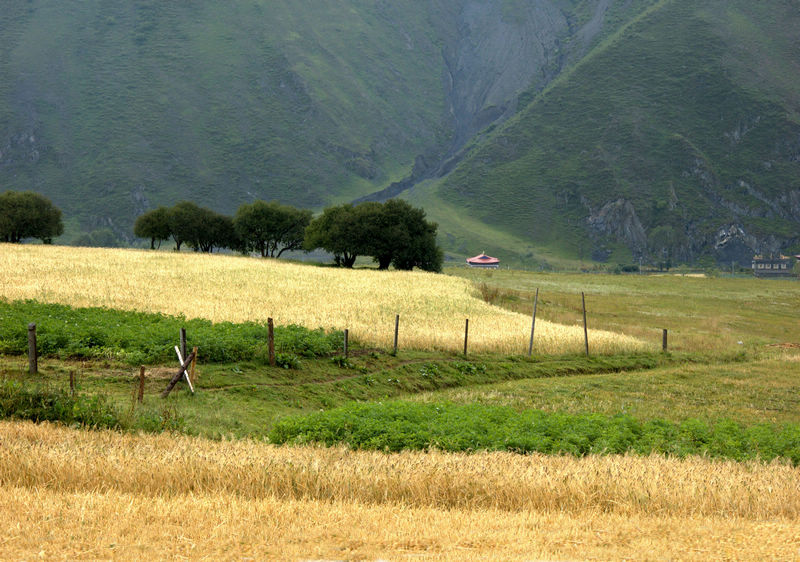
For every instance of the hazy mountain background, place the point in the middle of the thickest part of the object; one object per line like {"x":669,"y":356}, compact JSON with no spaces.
{"x":539,"y":130}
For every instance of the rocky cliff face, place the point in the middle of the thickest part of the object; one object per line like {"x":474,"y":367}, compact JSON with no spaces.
{"x":495,"y":54}
{"x":617,"y":220}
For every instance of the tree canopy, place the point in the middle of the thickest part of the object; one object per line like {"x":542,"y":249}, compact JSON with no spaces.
{"x":268,"y":228}
{"x":25,"y":214}
{"x":153,"y":225}
{"x":393,"y":233}
{"x":336,"y":231}
{"x":187,"y":223}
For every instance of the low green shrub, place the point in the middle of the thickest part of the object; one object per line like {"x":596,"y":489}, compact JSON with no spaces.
{"x":395,"y":426}
{"x":40,"y":403}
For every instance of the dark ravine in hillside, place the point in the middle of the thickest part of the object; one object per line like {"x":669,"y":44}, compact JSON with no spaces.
{"x":493,"y":56}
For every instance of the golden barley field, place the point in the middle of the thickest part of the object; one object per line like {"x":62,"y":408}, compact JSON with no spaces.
{"x":77,"y":494}
{"x":432,"y":308}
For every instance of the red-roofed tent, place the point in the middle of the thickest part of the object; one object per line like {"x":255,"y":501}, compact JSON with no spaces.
{"x":484,"y":261}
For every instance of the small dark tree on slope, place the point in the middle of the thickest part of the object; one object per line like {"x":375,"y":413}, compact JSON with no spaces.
{"x":25,"y":214}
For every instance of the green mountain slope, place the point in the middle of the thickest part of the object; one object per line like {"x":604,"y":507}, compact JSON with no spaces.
{"x":677,"y":137}
{"x":540,"y":131}
{"x":112,"y":108}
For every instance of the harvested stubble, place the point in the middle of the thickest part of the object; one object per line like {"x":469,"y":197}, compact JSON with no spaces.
{"x":432,"y":307}
{"x":72,"y":494}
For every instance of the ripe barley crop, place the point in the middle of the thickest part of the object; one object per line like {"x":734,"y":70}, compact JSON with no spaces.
{"x":67,"y":493}
{"x":102,"y":461}
{"x":432,"y":307}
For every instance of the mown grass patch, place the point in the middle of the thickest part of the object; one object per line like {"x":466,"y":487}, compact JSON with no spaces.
{"x":397,"y":426}
{"x":749,"y":391}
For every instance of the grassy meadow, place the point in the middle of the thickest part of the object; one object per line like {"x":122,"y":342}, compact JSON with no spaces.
{"x":217,"y":484}
{"x":702,"y":314}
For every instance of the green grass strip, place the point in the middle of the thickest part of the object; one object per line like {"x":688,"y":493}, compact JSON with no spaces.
{"x":141,"y":338}
{"x":397,"y":426}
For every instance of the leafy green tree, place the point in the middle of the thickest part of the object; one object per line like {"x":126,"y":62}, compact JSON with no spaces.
{"x":185,"y":224}
{"x":422,"y":251}
{"x":215,"y":230}
{"x":154,"y":225}
{"x":393,"y":233}
{"x":398,"y":234}
{"x":25,"y":214}
{"x":336,"y":231}
{"x":268,"y":228}
{"x":224,"y":233}
{"x":661,"y":242}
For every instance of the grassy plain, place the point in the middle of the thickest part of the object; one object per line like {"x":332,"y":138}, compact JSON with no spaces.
{"x":244,"y":399}
{"x":702,"y":314}
{"x":99,"y":494}
{"x":750,"y":391}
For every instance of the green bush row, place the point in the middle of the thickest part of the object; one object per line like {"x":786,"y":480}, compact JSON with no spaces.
{"x":396,"y":426}
{"x":137,"y":337}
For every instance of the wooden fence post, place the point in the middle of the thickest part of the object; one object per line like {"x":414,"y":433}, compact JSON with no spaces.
{"x":72,"y":383}
{"x":33,"y":361}
{"x":664,"y":340}
{"x":346,"y":338}
{"x":466,"y":336}
{"x":141,"y":384}
{"x":183,"y":342}
{"x":585,"y":329}
{"x":180,"y":374}
{"x":533,"y":322}
{"x":271,"y":340}
{"x":396,"y":331}
{"x":194,"y":364}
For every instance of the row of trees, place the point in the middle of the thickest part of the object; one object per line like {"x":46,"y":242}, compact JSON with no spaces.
{"x":267,"y":228}
{"x":25,"y":214}
{"x":392,"y":233}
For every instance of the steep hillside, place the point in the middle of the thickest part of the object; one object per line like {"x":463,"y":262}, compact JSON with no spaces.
{"x":113,"y":108}
{"x":677,"y":137}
